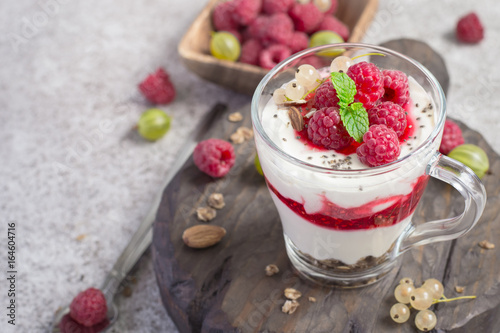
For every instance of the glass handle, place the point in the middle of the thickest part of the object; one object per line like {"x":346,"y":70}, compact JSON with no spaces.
{"x":465,"y":181}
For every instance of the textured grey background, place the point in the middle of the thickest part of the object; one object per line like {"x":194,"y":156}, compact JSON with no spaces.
{"x":71,"y":166}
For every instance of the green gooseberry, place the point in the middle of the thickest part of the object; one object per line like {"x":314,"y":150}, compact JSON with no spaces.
{"x":325,"y":37}
{"x":472,"y":156}
{"x":225,"y":46}
{"x":153,"y":124}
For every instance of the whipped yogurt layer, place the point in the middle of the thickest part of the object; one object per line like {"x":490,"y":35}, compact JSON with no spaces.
{"x":346,"y":216}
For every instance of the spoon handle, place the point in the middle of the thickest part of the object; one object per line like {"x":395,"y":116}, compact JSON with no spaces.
{"x":143,"y":236}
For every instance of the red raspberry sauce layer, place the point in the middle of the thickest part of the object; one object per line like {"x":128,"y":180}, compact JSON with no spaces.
{"x":335,"y":217}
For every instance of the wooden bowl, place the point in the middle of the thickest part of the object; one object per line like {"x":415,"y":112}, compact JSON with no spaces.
{"x":194,"y":47}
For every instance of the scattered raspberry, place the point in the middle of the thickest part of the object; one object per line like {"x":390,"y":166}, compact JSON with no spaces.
{"x":469,"y":29}
{"x":273,"y":55}
{"x":369,"y":83}
{"x":380,"y":146}
{"x":326,"y":96}
{"x":215,"y":157}
{"x":69,"y":325}
{"x":89,"y":307}
{"x":298,"y":41}
{"x":396,"y":87}
{"x":276,"y":6}
{"x":325,"y":129}
{"x":452,"y":137}
{"x":158,"y":88}
{"x":245,"y":11}
{"x":306,"y":17}
{"x":279,"y":29}
{"x":250,"y":51}
{"x":222,"y":16}
{"x":331,"y":23}
{"x":390,"y":114}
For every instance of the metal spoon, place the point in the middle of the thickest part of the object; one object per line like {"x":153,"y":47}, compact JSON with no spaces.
{"x":143,"y":236}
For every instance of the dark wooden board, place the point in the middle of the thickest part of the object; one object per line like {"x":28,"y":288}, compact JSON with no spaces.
{"x":224,"y":288}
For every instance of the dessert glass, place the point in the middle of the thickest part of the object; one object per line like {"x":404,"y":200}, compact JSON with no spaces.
{"x":347,"y":227}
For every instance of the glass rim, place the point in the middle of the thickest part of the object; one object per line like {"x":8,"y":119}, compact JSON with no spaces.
{"x":368,"y":170}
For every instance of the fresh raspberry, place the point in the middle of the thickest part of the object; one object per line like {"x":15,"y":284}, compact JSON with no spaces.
{"x":452,"y":137}
{"x":325,"y":129}
{"x":89,"y":307}
{"x":279,"y":29}
{"x":276,"y":6}
{"x":298,"y":41}
{"x":215,"y":157}
{"x":380,"y":146}
{"x":469,"y":29}
{"x":250,"y":51}
{"x":158,"y":88}
{"x":390,"y":114}
{"x":326,"y":96}
{"x":245,"y":11}
{"x":272,"y":55}
{"x":396,"y":87}
{"x":222,"y":17}
{"x":258,"y":28}
{"x":306,"y":17}
{"x":69,"y":325}
{"x":369,"y":83}
{"x":331,"y":23}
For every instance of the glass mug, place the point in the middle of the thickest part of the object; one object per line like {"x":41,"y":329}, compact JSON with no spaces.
{"x":347,"y":227}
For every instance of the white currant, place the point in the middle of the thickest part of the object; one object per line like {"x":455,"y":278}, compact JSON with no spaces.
{"x":279,"y":96}
{"x":307,"y":76}
{"x":425,"y":320}
{"x":295,"y":91}
{"x":421,"y":299}
{"x":403,"y":293}
{"x":434,"y":287}
{"x":400,"y":313}
{"x":406,"y":280}
{"x":323,"y":5}
{"x":341,"y":63}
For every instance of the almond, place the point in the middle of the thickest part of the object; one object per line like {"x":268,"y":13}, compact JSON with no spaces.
{"x":201,"y":236}
{"x":296,"y":118}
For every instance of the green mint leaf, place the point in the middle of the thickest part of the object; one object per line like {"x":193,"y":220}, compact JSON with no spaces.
{"x":345,"y":87}
{"x":355,"y":120}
